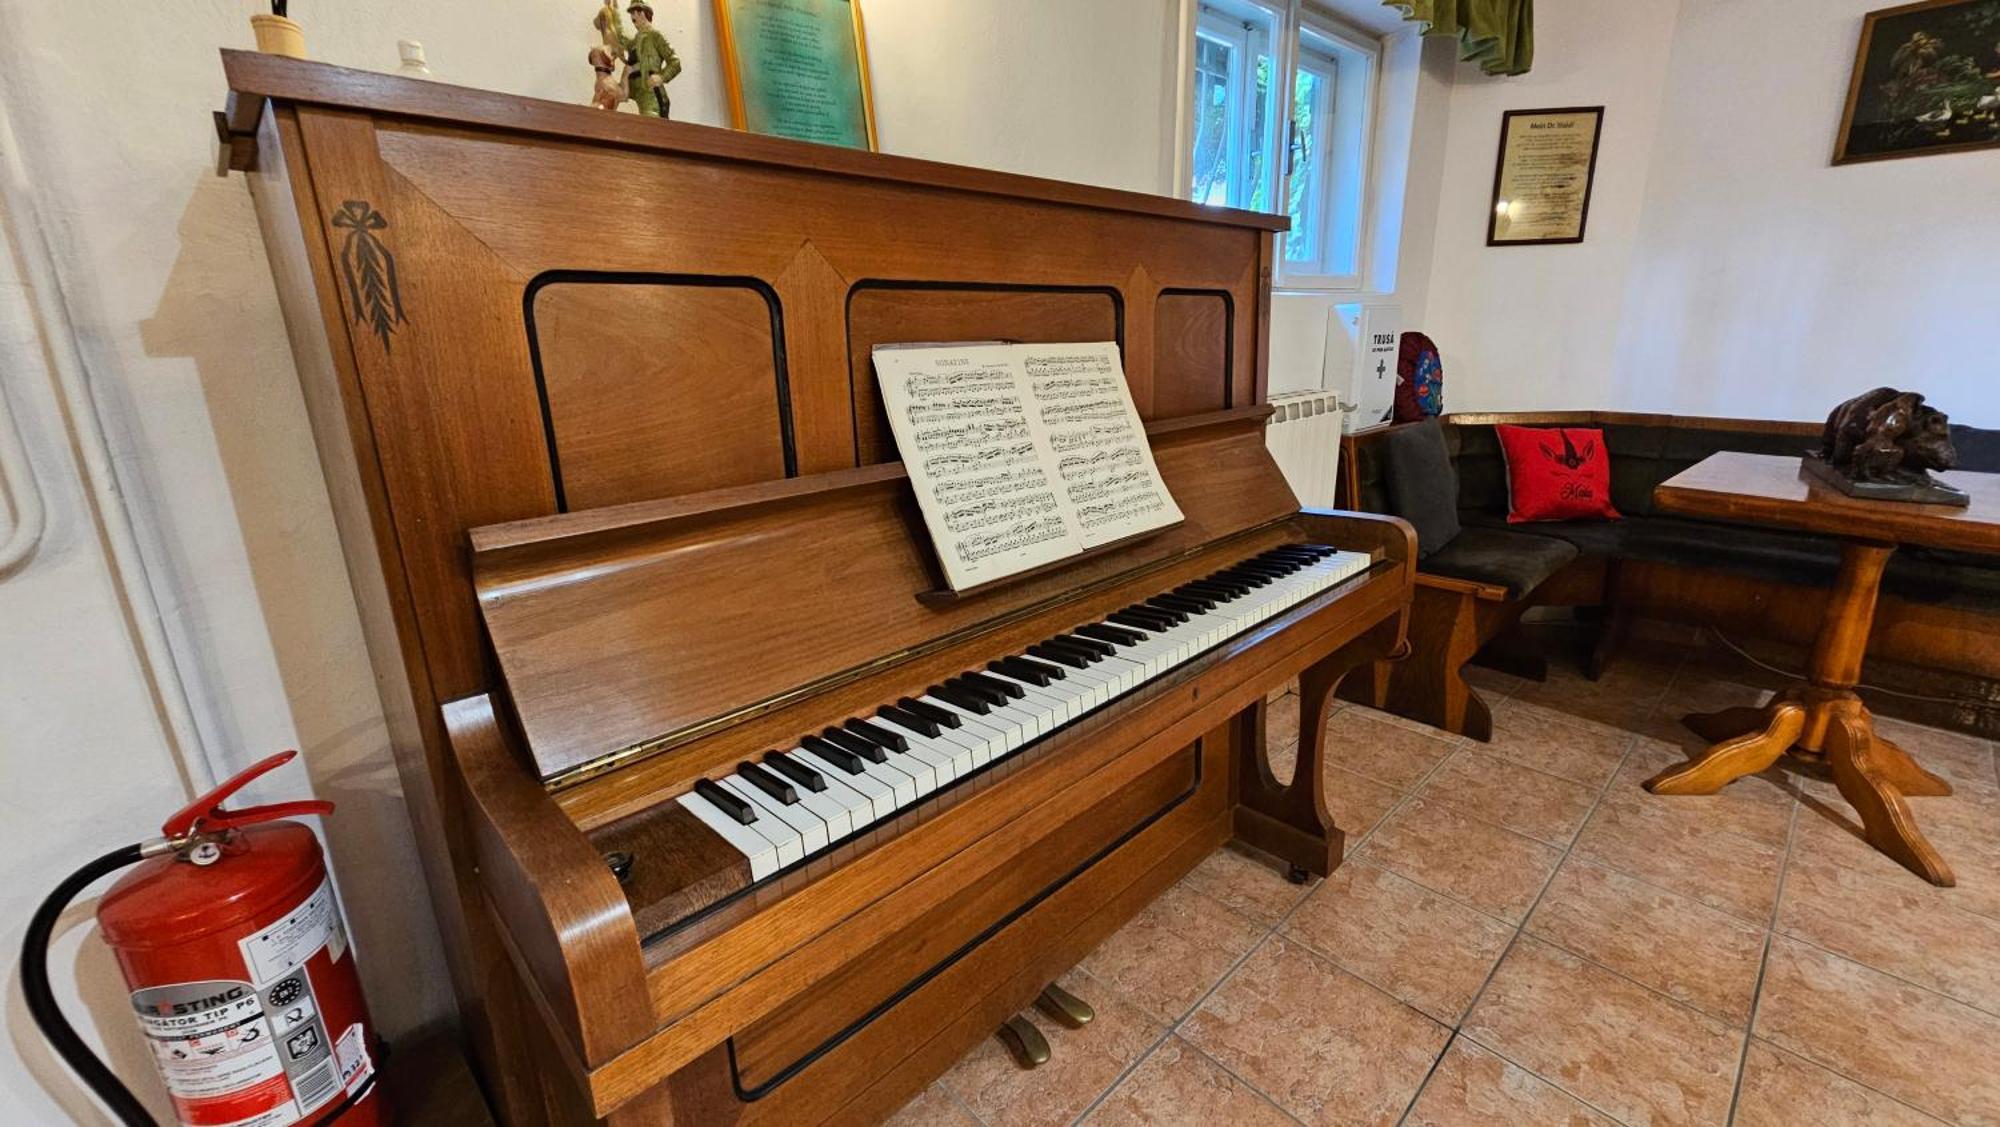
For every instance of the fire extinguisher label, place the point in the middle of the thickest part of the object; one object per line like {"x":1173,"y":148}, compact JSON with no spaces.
{"x":299,"y":1030}
{"x":352,"y":1053}
{"x":288,"y":943}
{"x":216,"y":1053}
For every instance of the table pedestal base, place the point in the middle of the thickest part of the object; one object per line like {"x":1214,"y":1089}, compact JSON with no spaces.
{"x":1821,"y":725}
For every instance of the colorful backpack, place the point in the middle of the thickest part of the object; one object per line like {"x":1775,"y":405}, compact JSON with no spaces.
{"x":1419,"y":379}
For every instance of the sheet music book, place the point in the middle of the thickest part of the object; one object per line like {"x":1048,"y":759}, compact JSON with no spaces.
{"x":1021,"y":454}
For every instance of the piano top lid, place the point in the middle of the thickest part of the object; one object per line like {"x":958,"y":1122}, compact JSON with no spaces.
{"x":258,"y":75}
{"x":628,"y":631}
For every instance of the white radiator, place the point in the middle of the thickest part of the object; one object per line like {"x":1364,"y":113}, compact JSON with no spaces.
{"x":1304,"y":438}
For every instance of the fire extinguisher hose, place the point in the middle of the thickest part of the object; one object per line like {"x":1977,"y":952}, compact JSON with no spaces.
{"x":42,"y":1001}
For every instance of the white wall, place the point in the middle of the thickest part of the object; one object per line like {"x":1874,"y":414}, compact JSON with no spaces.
{"x":1729,"y":269}
{"x":163,"y":274}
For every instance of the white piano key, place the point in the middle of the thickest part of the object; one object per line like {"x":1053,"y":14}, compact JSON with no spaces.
{"x":942,"y":764}
{"x":829,"y":809}
{"x":881,"y":797}
{"x":755,"y":847}
{"x":918,"y":772}
{"x":790,"y":845}
{"x":811,"y":831}
{"x":1006,"y":736}
{"x":959,"y":754}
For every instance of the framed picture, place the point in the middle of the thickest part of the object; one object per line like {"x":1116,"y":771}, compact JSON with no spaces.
{"x":798,"y":69}
{"x":1543,"y":175}
{"x":1926,"y":80}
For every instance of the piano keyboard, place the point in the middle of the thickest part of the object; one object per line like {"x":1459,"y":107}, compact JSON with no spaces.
{"x":797,"y":803}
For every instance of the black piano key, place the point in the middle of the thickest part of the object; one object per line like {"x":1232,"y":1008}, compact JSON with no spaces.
{"x":971,"y":702}
{"x":724,"y":801}
{"x":794,"y":770}
{"x":883,"y":737}
{"x":1090,"y":655}
{"x":835,"y":754}
{"x":1246,"y":578}
{"x":1201,"y":601}
{"x":866,"y":749}
{"x":1051,"y":668}
{"x":1216,"y":590}
{"x":1136,"y":622}
{"x":1060,"y":656}
{"x":922,"y":725}
{"x":1047,"y":669}
{"x":1099,"y":647}
{"x":1020,"y":671}
{"x":1007,"y":689}
{"x":930,"y":712}
{"x":1105,"y":633}
{"x":987,"y":693}
{"x":1173,"y":615}
{"x":767,"y":782}
{"x":1272,"y":571}
{"x":1175,"y":602}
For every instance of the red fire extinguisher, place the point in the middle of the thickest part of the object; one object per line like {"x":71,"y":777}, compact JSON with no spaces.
{"x":242,"y":977}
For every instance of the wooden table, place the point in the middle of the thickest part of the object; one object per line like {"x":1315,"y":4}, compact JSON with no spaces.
{"x":1824,"y":719}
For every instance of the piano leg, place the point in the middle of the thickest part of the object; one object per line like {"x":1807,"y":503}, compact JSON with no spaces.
{"x":1290,"y":821}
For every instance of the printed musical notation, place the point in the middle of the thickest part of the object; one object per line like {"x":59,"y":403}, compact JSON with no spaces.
{"x":1103,"y":460}
{"x":1020,"y":455}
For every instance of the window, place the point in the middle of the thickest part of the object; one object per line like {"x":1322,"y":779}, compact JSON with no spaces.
{"x":1233,"y":123}
{"x":1308,"y":150}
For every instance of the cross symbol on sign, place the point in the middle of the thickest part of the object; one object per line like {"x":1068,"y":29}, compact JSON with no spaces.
{"x":1381,"y":368}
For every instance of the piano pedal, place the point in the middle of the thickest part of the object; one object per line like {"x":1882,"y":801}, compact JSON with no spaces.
{"x":1026,"y":1044}
{"x":1297,"y":874}
{"x":1064,"y":1006}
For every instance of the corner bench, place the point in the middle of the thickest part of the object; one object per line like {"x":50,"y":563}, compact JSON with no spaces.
{"x":1938,"y":610}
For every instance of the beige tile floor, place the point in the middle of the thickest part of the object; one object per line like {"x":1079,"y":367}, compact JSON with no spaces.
{"x":1521,"y":934}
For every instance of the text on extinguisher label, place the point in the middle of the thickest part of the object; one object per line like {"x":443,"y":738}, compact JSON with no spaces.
{"x":216,"y":1053}
{"x":274,"y":950}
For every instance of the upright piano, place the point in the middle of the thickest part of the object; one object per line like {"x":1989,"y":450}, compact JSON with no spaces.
{"x":731,"y":809}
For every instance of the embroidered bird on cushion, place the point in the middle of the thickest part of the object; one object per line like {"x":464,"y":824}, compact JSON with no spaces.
{"x":1570,"y":458}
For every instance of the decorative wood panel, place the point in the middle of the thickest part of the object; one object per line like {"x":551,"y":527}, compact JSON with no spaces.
{"x":1193,"y":342}
{"x":655,"y":388}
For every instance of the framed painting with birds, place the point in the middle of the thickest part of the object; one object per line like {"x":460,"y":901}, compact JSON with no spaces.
{"x":1926,"y":80}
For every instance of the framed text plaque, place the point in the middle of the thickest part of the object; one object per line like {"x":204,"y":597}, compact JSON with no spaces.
{"x":798,"y":69}
{"x":1542,"y":179}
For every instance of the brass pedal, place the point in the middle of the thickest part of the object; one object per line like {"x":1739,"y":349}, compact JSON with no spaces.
{"x":1029,"y":1048}
{"x":1064,"y":1006}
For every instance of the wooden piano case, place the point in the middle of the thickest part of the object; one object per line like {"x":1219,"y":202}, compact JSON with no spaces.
{"x":621,"y":508}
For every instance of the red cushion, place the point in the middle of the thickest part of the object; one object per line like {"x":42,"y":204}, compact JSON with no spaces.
{"x":1556,"y":473}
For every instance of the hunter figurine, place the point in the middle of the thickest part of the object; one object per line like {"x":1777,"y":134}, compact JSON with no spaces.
{"x":650,"y":62}
{"x":1882,"y":444}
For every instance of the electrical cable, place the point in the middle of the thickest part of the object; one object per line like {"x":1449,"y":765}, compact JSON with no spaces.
{"x":1956,"y":702}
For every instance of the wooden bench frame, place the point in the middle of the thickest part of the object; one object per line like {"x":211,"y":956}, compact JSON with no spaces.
{"x":1453,"y":619}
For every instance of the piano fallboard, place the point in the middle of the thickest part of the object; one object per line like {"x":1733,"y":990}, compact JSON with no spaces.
{"x":628,"y":632}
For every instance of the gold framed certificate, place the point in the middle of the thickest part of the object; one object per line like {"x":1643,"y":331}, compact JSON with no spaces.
{"x":798,"y":69}
{"x":1542,"y":179}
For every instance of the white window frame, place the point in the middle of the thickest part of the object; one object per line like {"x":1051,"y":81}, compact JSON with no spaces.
{"x":1250,"y":28}
{"x":1348,"y":139}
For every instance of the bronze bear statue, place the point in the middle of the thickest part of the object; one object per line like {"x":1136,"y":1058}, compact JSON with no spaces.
{"x":1888,"y":436}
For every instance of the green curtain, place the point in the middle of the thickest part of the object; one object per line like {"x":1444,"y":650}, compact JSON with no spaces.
{"x":1499,"y":35}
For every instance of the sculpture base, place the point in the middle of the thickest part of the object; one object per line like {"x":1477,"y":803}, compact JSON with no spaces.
{"x":1926,"y":492}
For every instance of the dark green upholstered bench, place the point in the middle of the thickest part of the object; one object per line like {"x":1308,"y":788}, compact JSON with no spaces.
{"x":1936,"y":605}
